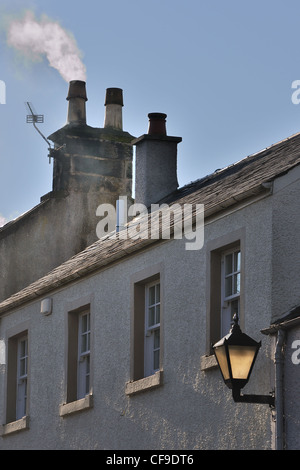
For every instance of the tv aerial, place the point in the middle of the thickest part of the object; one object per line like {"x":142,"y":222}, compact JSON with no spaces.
{"x":34,"y":118}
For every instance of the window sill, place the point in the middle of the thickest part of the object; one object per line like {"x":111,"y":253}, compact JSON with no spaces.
{"x":15,"y":426}
{"x":85,"y":403}
{"x":145,"y":384}
{"x":208,"y":362}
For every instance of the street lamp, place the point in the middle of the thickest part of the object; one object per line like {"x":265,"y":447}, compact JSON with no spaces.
{"x":236,"y":354}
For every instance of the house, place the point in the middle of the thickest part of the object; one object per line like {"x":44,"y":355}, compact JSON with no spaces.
{"x":112,"y":348}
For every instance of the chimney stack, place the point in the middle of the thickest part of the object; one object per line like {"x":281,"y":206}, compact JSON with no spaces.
{"x":76,"y":107}
{"x":113,"y":108}
{"x":156,"y":162}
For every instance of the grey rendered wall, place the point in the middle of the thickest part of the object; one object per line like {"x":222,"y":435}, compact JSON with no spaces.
{"x":286,"y":244}
{"x":192,"y":409}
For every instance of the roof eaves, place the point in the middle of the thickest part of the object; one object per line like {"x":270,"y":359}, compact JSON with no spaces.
{"x":286,"y":322}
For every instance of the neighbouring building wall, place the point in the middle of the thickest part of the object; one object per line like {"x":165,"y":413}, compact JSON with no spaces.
{"x":286,"y":244}
{"x":291,"y":389}
{"x":192,"y":409}
{"x":45,"y":237}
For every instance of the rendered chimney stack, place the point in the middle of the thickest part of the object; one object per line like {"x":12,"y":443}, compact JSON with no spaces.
{"x":76,"y":107}
{"x":113,"y":108}
{"x":156,"y":162}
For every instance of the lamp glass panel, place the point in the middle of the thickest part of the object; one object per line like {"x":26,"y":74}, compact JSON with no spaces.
{"x":241,"y":358}
{"x":222,"y":360}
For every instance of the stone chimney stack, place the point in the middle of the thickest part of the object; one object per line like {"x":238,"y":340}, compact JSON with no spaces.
{"x":93,"y":160}
{"x":113,"y":108}
{"x":76,"y":107}
{"x":91,"y":166}
{"x":156,"y":162}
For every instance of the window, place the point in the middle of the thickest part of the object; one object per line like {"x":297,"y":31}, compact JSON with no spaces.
{"x":146,"y":330}
{"x":83,"y":374}
{"x":22,"y":369}
{"x":78,"y":362}
{"x":152,"y":329}
{"x":230,"y":288}
{"x":17,"y":377}
{"x":225,"y":276}
{"x":78,"y":356}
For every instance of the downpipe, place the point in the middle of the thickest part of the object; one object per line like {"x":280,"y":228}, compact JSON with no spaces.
{"x":279,"y":364}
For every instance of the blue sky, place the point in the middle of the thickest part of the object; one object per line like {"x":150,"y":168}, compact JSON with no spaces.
{"x":221,"y":70}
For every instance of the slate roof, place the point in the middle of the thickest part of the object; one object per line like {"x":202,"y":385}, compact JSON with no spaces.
{"x":289,"y":320}
{"x":217,"y":191}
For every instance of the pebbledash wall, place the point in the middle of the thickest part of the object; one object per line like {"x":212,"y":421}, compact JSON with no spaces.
{"x":192,"y":408}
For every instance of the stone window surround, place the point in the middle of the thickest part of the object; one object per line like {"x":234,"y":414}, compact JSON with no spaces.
{"x":138,"y":382}
{"x":12,"y":425}
{"x":71,"y":405}
{"x":214,"y":250}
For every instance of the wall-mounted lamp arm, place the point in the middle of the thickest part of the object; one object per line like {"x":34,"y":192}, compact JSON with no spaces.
{"x":263,"y":399}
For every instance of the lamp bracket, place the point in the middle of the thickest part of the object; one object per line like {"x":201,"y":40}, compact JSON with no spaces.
{"x":263,"y":399}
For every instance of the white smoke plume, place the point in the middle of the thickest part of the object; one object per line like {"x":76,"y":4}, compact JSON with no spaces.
{"x":46,"y":38}
{"x":2,"y":221}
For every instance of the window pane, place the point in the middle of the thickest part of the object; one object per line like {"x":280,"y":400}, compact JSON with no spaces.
{"x":83,"y":323}
{"x":158,"y":314}
{"x":22,"y":367}
{"x":228,"y":264}
{"x":237,"y":261}
{"x":23,"y":348}
{"x":88,"y":336}
{"x":236,"y":288}
{"x":156,"y":360}
{"x":151,"y":316}
{"x":152,"y":295}
{"x":23,"y":358}
{"x":228,"y":286}
{"x":235,"y":307}
{"x":85,"y":333}
{"x":83,"y":343}
{"x":156,"y":339}
{"x":157,"y":293}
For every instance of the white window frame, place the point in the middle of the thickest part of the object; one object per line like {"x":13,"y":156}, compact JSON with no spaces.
{"x":230,"y":303}
{"x":22,"y":377}
{"x":152,"y":330}
{"x":83,"y":361}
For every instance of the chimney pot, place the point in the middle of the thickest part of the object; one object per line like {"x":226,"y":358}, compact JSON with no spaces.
{"x":157,"y":124}
{"x":114,"y":96}
{"x":113,"y":108}
{"x":77,"y":89}
{"x":76,"y":98}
